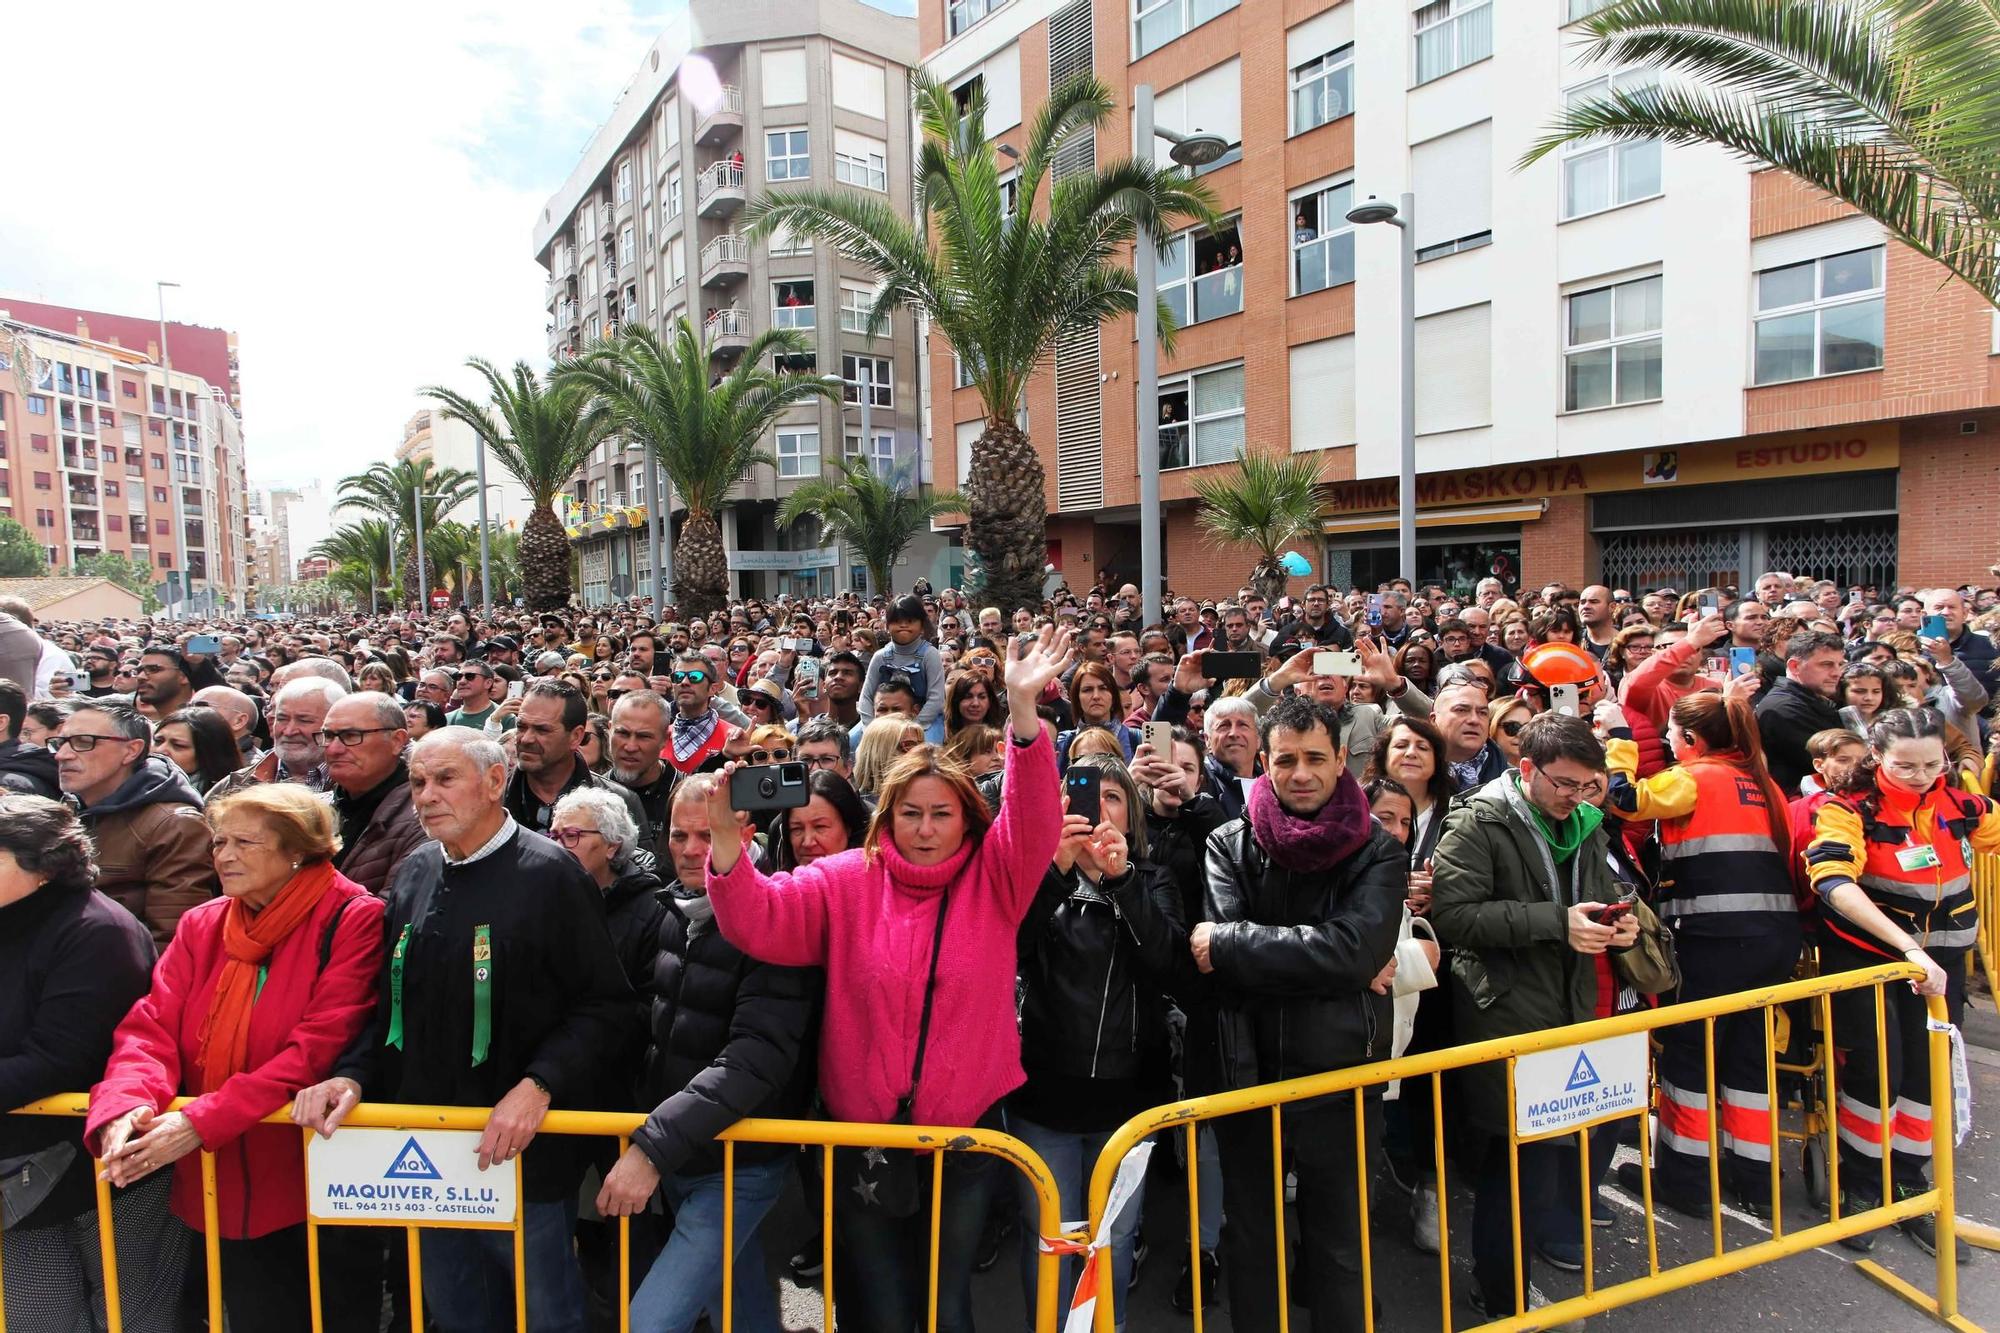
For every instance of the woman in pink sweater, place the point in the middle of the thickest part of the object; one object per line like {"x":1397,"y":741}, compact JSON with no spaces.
{"x":869,"y":917}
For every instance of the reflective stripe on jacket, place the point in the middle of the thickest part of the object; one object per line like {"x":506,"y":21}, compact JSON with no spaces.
{"x":1858,"y":840}
{"x":1722,"y":869}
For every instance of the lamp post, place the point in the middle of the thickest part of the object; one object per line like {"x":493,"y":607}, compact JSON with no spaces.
{"x":1189,"y":150}
{"x":485,"y":537}
{"x":423,"y":571}
{"x":1403,"y":215}
{"x":863,"y":385}
{"x":656,"y":517}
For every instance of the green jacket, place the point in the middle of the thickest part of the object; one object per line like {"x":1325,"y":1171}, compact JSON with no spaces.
{"x":1507,"y":926}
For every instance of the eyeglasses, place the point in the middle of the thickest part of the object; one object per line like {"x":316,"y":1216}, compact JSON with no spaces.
{"x":350,"y":736}
{"x":570,"y":837}
{"x":154,"y":669}
{"x":83,"y":742}
{"x":695,"y":677}
{"x":1566,"y":786}
{"x":821,"y":761}
{"x":769,"y":756}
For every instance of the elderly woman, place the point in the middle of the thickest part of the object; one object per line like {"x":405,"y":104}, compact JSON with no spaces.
{"x":256,"y":997}
{"x":71,"y":963}
{"x":598,"y":831}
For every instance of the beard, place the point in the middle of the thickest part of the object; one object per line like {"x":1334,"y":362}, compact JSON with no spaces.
{"x":628,"y":777}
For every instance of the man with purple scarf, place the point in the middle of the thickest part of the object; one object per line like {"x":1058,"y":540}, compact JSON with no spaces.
{"x":1305,"y":899}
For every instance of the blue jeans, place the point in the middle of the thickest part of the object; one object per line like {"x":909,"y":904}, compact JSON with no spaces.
{"x":469,"y":1275}
{"x":1071,"y":1158}
{"x":687,"y":1277}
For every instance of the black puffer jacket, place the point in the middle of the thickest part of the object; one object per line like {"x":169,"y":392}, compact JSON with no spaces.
{"x":731,"y":1038}
{"x":1294,"y":955}
{"x":632,"y":912}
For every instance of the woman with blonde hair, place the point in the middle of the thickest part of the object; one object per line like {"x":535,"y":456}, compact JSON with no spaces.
{"x":977,"y":749}
{"x":882,"y":742}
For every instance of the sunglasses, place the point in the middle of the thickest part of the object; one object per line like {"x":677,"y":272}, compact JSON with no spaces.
{"x":1511,"y":728}
{"x":759,"y":698}
{"x":761,"y":756}
{"x":688,"y":677}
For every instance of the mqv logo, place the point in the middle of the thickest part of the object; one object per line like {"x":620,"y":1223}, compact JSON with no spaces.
{"x":412,"y":1163}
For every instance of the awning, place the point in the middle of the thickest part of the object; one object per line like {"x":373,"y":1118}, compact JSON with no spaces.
{"x":1467,"y":516}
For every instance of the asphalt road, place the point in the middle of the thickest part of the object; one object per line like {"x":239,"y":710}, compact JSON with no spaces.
{"x":1814,"y":1292}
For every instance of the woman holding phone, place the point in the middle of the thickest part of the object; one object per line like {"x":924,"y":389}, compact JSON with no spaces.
{"x":1725,"y":889}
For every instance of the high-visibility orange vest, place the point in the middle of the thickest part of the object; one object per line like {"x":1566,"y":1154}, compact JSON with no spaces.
{"x":1924,"y":886}
{"x":1723,"y":860}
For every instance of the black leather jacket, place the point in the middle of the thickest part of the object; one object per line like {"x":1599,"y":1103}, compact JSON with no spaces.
{"x":1294,"y":955}
{"x":1178,"y":845}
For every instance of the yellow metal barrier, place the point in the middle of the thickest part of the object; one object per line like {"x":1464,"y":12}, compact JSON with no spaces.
{"x":1986,"y":896}
{"x":825,"y":1135}
{"x":1938,"y":1201}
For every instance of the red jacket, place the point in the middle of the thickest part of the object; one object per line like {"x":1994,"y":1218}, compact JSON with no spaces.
{"x":304,"y":1018}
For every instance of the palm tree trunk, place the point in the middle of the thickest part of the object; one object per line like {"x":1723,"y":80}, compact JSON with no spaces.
{"x":544,"y":557}
{"x":1009,"y":517}
{"x":1269,"y":578}
{"x":701,"y":567}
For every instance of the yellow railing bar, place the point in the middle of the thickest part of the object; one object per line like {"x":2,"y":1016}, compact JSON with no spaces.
{"x":1194,"y":1214}
{"x":1105,"y":1299}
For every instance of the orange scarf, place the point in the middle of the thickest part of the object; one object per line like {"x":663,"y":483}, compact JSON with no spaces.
{"x":248,"y":939}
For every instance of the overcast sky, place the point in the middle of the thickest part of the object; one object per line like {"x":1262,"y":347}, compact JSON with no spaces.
{"x":351,"y":189}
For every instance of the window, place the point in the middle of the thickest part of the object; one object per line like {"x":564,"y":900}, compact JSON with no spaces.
{"x":787,"y":156}
{"x":159,"y":495}
{"x":784,"y":245}
{"x":1323,"y":392}
{"x":860,"y":160}
{"x":155,"y":427}
{"x":792,"y":305}
{"x":1583,"y":9}
{"x":1455,"y":370}
{"x":1322,"y":239}
{"x":670,"y":125}
{"x":784,"y":77}
{"x":876,"y":370}
{"x":1201,"y":276}
{"x":860,"y":86}
{"x":111,"y":490}
{"x":652,"y":291}
{"x":1820,"y":317}
{"x":1211,"y":102}
{"x":1452,"y":34}
{"x":1598,"y":175}
{"x":128,"y":388}
{"x":38,"y":406}
{"x":1201,"y":418}
{"x":1454,"y":175}
{"x":590,"y":281}
{"x":626,"y":244}
{"x":961,"y":373}
{"x":856,"y":301}
{"x":116,"y":522}
{"x":623,"y":189}
{"x":1157,"y":22}
{"x":795,"y":363}
{"x":160,"y":528}
{"x":1010,"y":195}
{"x":43,"y":481}
{"x":881,"y":456}
{"x":1611,"y":345}
{"x":676,"y":261}
{"x":798,"y":451}
{"x":166,"y":558}
{"x":646,"y":212}
{"x":670,"y":195}
{"x":1323,"y":89}
{"x":39,"y":443}
{"x":962,"y":14}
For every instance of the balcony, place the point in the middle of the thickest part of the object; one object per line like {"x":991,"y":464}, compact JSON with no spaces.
{"x":726,"y":332}
{"x":723,"y":119}
{"x":82,"y":499}
{"x":83,"y":536}
{"x":79,"y":462}
{"x":725,"y":259}
{"x":719,"y":190}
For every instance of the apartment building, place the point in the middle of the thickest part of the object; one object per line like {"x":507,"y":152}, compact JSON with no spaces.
{"x":449,"y":443}
{"x":736,"y":100}
{"x":1647,"y":365}
{"x":105,"y":449}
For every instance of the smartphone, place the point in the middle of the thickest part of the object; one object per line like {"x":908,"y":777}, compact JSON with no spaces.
{"x":1854,"y":597}
{"x":204,"y":645}
{"x":1081,"y":786}
{"x":1232,"y":666}
{"x":1742,"y":661}
{"x":1708,"y":605}
{"x":755,"y":787}
{"x":1609,"y":914}
{"x":1566,"y":699}
{"x":795,"y":645}
{"x":805,"y":679}
{"x":515,"y":688}
{"x":1375,"y":608}
{"x":1336,"y":664}
{"x":1934,"y":628}
{"x":1160,"y":735}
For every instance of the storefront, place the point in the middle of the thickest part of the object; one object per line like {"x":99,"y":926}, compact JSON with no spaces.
{"x":1819,"y":502}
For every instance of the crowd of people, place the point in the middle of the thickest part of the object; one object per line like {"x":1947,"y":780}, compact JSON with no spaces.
{"x":1053,"y":866}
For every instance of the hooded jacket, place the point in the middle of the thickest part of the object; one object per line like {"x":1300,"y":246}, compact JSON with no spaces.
{"x":152,"y":846}
{"x":30,"y":769}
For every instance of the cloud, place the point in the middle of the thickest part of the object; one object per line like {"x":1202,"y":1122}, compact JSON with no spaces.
{"x":352,"y":190}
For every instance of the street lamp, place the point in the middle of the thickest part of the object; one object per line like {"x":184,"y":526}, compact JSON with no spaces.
{"x":1189,"y":150}
{"x":485,"y":538}
{"x":657,"y":515}
{"x":1403,"y":215}
{"x":423,"y":571}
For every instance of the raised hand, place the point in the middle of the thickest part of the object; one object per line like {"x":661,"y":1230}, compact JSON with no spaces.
{"x":1028,"y":675}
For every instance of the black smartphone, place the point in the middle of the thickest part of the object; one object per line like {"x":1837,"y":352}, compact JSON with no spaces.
{"x":1231,"y":666}
{"x":755,"y":787}
{"x":1081,"y":786}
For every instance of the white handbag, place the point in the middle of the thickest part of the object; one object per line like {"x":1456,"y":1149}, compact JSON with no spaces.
{"x":1414,"y":976}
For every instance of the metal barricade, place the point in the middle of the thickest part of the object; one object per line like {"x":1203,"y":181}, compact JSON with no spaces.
{"x":1186,"y":1117}
{"x":1986,"y":897}
{"x":825,"y":1135}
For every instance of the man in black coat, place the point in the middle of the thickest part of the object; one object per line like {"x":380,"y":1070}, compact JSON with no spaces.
{"x":1305,"y":899}
{"x":729,"y":1040}
{"x":1800,"y":705}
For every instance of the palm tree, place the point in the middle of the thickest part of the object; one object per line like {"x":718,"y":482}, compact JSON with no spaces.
{"x":452,"y":549}
{"x":1002,"y":291}
{"x":1268,"y":504}
{"x":1888,"y":105}
{"x":539,"y":433}
{"x":879,"y":517}
{"x":363,"y":545}
{"x":391,"y":491}
{"x":658,"y":391}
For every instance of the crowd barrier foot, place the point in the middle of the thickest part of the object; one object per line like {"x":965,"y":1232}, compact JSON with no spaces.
{"x":1915,"y":1296}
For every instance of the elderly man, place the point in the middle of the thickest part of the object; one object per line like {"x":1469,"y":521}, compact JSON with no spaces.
{"x":152,"y":846}
{"x":324,"y":668}
{"x":435,"y":685}
{"x":501,"y":989}
{"x":547,"y":766}
{"x":1975,"y":650}
{"x":239,"y":710}
{"x":640,"y":722}
{"x":365,"y":736}
{"x":297,"y":754}
{"x":1460,"y":714}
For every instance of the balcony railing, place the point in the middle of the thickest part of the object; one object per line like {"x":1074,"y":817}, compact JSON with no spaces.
{"x":728,"y":255}
{"x":720,"y":188}
{"x":721,"y":120}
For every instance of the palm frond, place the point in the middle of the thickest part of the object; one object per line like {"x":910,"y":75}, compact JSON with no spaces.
{"x":1268,"y":504}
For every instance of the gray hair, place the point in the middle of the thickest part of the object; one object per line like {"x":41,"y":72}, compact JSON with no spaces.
{"x":825,"y":729}
{"x":472,"y":744}
{"x":1234,"y":705}
{"x":130,"y":723}
{"x":323,"y":668}
{"x":609,"y":815}
{"x":329,"y":692}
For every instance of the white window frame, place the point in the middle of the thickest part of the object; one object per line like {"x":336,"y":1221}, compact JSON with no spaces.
{"x":1010,"y":196}
{"x":784,"y":243}
{"x":801,"y":317}
{"x":1583,"y":9}
{"x":869,"y":173}
{"x":1184,"y":383}
{"x":624,"y":181}
{"x":1328,"y":240}
{"x":856,"y":301}
{"x":1818,"y":306}
{"x":881,"y":459}
{"x":1321,"y":69}
{"x":1193,"y":282}
{"x":1454,"y":18}
{"x":676,"y":261}
{"x":793,"y":451}
{"x":882,"y":382}
{"x":670,"y":120}
{"x":788,"y":157}
{"x":1620,"y":341}
{"x":628,"y":244}
{"x":670,"y":194}
{"x":1583,"y":152}
{"x":961,"y":15}
{"x":1142,"y":10}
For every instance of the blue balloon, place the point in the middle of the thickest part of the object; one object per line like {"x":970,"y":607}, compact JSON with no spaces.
{"x":1295,"y":564}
